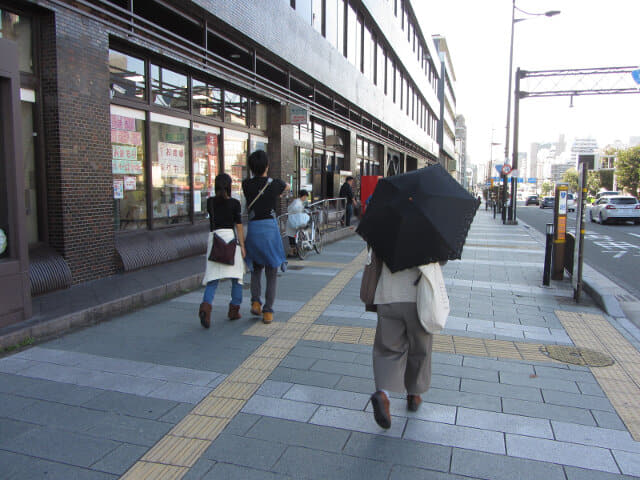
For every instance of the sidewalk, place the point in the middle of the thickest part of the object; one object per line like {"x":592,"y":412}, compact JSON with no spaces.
{"x":151,"y":394}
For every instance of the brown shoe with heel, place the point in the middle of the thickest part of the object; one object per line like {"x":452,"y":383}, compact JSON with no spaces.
{"x":205,"y":314}
{"x":234,"y":312}
{"x":380,"y":404}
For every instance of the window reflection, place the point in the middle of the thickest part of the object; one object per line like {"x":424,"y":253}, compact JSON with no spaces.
{"x":18,"y":28}
{"x":235,"y":108}
{"x":168,"y":88}
{"x":206,"y":165}
{"x":127,"y":75}
{"x":235,"y":160}
{"x":206,"y":99}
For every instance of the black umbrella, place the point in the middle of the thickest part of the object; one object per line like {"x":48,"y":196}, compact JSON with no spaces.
{"x":418,"y":218}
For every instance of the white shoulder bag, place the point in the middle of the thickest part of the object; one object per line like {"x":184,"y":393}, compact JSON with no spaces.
{"x":433,"y":301}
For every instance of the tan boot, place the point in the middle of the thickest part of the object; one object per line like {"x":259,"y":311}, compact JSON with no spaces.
{"x":256,"y":308}
{"x":205,"y":314}
{"x":267,"y":317}
{"x":234,"y":312}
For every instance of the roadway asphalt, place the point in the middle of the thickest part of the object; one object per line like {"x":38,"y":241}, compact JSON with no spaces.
{"x":613,"y":250}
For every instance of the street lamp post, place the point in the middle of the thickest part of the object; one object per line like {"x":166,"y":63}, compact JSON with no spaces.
{"x":514,"y":164}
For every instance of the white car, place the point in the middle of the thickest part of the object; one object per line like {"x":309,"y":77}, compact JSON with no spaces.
{"x":615,"y":208}
{"x":607,"y":193}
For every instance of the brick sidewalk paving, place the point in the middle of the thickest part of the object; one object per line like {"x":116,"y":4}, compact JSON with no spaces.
{"x":153,"y":395}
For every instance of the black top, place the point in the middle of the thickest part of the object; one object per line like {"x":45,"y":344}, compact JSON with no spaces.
{"x":223,"y":212}
{"x":346,"y":192}
{"x":265,"y":206}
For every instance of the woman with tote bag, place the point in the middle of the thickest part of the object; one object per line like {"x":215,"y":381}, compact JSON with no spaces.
{"x":224,"y":259}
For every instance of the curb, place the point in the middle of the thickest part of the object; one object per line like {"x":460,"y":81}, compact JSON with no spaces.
{"x":39,"y":331}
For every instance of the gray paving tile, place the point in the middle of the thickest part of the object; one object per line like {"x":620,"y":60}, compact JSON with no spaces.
{"x":136,"y":431}
{"x":180,"y":392}
{"x":236,"y":472}
{"x":464,"y":399}
{"x":561,"y":452}
{"x":498,"y":365}
{"x":61,"y":446}
{"x":271,"y":388}
{"x":50,"y":355}
{"x":581,"y":401}
{"x":445,"y":382}
{"x":343,"y":368}
{"x":396,"y":451}
{"x":304,"y":377}
{"x":454,"y":436}
{"x":446,"y":358}
{"x":15,"y":365}
{"x":500,"y":467}
{"x":12,"y":428}
{"x":608,"y":420}
{"x":539,"y":382}
{"x":427,"y":411}
{"x":13,"y":405}
{"x":401,"y":472}
{"x":356,"y":384}
{"x":301,"y":363}
{"x":180,"y":375}
{"x":502,"y":422}
{"x":567,"y":375}
{"x":132,"y":405}
{"x":241,"y":423}
{"x":357,"y":421}
{"x":120,"y":460}
{"x":18,"y":466}
{"x":113,"y":365}
{"x":306,"y":463}
{"x":597,"y":437}
{"x":590,"y":389}
{"x":280,"y":408}
{"x":52,"y":414}
{"x":177,"y":413}
{"x":466,"y":372}
{"x":249,"y":452}
{"x":299,"y":434}
{"x":545,"y":410}
{"x":575,"y":473}
{"x":326,"y":396}
{"x":501,"y":390}
{"x":200,"y":469}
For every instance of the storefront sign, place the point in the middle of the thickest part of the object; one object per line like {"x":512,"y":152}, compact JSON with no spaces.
{"x":118,"y":188}
{"x":124,"y":152}
{"x":171,"y":159}
{"x":119,"y":122}
{"x":126,"y":167}
{"x":129,"y":183}
{"x":126,"y":137}
{"x":297,"y":115}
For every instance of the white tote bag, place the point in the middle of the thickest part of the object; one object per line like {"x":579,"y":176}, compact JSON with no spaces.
{"x":433,"y":301}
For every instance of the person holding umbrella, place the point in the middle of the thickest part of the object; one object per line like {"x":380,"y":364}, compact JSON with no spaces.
{"x":413,"y":220}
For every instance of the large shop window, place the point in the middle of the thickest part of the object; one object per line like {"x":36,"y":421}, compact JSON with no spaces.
{"x":18,"y":28}
{"x":169,"y":88}
{"x":258,"y":143}
{"x":206,"y":99}
{"x":127,"y":75}
{"x":171,"y":192}
{"x":235,"y":159}
{"x":27,"y":103}
{"x":127,"y":164}
{"x":206,"y":165}
{"x":235,"y":108}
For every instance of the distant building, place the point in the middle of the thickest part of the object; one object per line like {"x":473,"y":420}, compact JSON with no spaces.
{"x":583,"y":146}
{"x":446,"y":130}
{"x":461,"y":145}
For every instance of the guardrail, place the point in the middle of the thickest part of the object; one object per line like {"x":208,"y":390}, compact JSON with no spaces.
{"x":330,"y":214}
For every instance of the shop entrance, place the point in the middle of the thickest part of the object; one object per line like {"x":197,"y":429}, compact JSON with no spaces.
{"x":15,"y":299}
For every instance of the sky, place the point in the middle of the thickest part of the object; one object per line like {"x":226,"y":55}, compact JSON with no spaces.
{"x":587,"y":33}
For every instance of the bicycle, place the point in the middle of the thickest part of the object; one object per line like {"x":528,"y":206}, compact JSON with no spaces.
{"x":309,"y":237}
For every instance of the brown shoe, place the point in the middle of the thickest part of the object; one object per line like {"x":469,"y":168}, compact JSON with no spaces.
{"x":267,"y":317}
{"x":205,"y":314}
{"x":256,"y":308}
{"x":380,"y":404}
{"x":413,"y":402}
{"x":234,"y":312}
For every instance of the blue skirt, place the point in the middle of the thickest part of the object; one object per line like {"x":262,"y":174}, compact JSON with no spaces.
{"x":264,"y":244}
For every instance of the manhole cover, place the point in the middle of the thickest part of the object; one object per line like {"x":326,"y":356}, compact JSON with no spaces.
{"x":577,"y":356}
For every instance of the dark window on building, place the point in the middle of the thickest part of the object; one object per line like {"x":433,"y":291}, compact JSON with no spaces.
{"x":168,"y":88}
{"x":229,"y":50}
{"x":170,"y":20}
{"x":301,"y":88}
{"x":271,"y":72}
{"x":127,"y":75}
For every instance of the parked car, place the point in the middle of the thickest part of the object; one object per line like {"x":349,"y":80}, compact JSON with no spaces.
{"x":532,"y":200}
{"x":606,"y":193}
{"x":548,"y":202}
{"x":571,"y":202}
{"x":617,"y":208}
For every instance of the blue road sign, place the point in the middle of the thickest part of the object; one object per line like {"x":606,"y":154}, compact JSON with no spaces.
{"x":499,"y":169}
{"x":532,"y":180}
{"x":520,"y":180}
{"x":636,"y":76}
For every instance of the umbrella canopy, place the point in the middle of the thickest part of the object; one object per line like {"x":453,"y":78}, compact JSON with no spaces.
{"x":417,"y":218}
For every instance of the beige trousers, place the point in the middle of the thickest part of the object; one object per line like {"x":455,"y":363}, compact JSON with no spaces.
{"x":401,"y":350}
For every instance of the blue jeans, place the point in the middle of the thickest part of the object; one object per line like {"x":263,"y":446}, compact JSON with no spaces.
{"x":349,"y":214}
{"x":236,"y":292}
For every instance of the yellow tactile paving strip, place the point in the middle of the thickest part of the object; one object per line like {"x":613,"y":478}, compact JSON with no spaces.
{"x":441,"y":343}
{"x":620,"y":381}
{"x":179,"y":450}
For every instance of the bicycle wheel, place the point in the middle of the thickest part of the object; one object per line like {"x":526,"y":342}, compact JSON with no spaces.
{"x":317,"y":245}
{"x":301,"y":240}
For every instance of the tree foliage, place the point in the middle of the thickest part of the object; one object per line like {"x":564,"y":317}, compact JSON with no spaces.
{"x":571,"y":177}
{"x":628,"y":169}
{"x":593,"y":182}
{"x":546,"y":187}
{"x":606,"y":179}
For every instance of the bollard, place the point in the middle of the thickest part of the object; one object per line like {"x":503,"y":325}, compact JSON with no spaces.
{"x":494,"y":209}
{"x":547,"y":255}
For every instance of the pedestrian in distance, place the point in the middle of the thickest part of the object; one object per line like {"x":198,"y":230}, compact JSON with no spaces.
{"x":346,"y":192}
{"x":263,"y":242}
{"x":225,"y":222}
{"x":297,"y":217}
